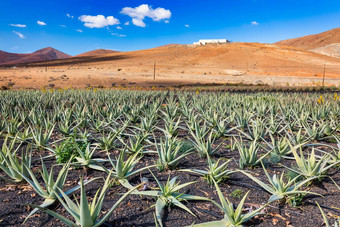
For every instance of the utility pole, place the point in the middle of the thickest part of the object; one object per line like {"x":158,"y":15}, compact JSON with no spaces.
{"x":323,"y":77}
{"x":45,"y":64}
{"x":154,"y":70}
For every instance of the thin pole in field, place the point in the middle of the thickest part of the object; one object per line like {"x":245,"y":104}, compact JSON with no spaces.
{"x":154,"y":70}
{"x":45,"y":64}
{"x":323,"y":77}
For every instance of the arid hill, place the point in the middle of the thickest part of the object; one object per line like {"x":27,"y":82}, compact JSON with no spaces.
{"x":246,"y":58}
{"x":332,"y":50}
{"x":96,"y":52}
{"x":255,"y":63}
{"x":45,"y":54}
{"x":311,"y":42}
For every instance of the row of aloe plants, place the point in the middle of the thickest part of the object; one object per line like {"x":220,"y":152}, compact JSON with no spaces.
{"x":74,"y":126}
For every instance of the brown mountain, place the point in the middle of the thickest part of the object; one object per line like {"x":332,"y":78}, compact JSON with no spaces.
{"x":311,"y":42}
{"x":184,"y":64}
{"x":228,"y":59}
{"x":45,"y":54}
{"x":96,"y":52}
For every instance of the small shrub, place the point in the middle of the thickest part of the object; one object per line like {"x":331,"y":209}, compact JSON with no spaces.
{"x":186,"y":146}
{"x":68,"y":148}
{"x":296,"y":200}
{"x":238,"y":193}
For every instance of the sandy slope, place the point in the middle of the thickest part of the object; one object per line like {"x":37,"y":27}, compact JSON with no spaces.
{"x":310,"y":42}
{"x":332,"y":50}
{"x":176,"y":64}
{"x":96,"y":53}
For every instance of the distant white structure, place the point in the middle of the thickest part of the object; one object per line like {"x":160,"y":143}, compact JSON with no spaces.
{"x":207,"y":41}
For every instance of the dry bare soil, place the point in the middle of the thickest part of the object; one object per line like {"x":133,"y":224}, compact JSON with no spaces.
{"x":181,"y":64}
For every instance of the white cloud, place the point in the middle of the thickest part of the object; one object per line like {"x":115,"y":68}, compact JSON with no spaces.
{"x":140,"y":12}
{"x":69,"y":15}
{"x":254,"y":23}
{"x":167,"y":21}
{"x":117,"y":34}
{"x":21,"y":36}
{"x":64,"y":26}
{"x":138,"y":22}
{"x":41,"y":23}
{"x":19,"y":25}
{"x":79,"y":30}
{"x":188,"y":26}
{"x":98,"y":21}
{"x":118,"y":27}
{"x":127,"y":23}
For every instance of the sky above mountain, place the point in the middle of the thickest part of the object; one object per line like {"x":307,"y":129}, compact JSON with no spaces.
{"x":75,"y":27}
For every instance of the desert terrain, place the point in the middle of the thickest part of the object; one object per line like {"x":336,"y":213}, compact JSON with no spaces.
{"x":285,"y":63}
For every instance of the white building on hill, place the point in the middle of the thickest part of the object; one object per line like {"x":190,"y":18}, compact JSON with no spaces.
{"x":206,"y":41}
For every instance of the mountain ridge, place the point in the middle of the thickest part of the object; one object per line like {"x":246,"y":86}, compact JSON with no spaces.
{"x":45,"y":54}
{"x":310,"y":42}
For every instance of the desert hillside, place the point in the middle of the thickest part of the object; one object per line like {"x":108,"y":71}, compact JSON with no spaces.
{"x":45,"y":54}
{"x":332,"y":50}
{"x":181,"y":64}
{"x":232,"y":58}
{"x":311,"y":42}
{"x":96,"y":52}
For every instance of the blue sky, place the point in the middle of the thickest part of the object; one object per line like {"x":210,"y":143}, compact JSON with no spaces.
{"x":78,"y":26}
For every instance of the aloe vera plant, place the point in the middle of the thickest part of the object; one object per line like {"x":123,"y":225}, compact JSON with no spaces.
{"x":12,"y":126}
{"x":85,"y":158}
{"x":171,"y":127}
{"x":335,"y":154}
{"x":8,"y":147}
{"x":297,"y":139}
{"x":85,"y":213}
{"x":232,"y":217}
{"x":275,"y":126}
{"x":278,"y":148}
{"x":15,"y":167}
{"x":66,"y":127}
{"x":255,"y":132}
{"x":318,"y":131}
{"x":215,"y":172}
{"x":48,"y":191}
{"x":135,"y":144}
{"x":249,"y":155}
{"x":123,"y":169}
{"x":169,"y":195}
{"x":169,"y":153}
{"x":24,"y":136}
{"x":278,"y":188}
{"x":198,"y":131}
{"x":88,"y":115}
{"x":204,"y":146}
{"x":42,"y":137}
{"x":109,"y":141}
{"x":311,"y":166}
{"x":147,"y":125}
{"x":242,"y":119}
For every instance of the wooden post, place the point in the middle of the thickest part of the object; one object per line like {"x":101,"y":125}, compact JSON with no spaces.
{"x":154,"y":70}
{"x":45,"y":64}
{"x":323,"y":77}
